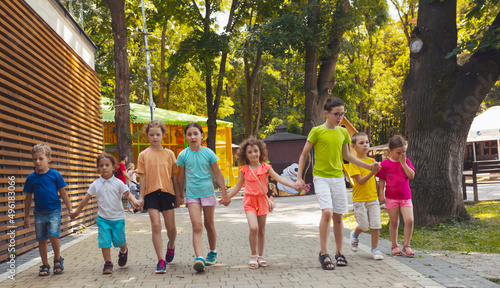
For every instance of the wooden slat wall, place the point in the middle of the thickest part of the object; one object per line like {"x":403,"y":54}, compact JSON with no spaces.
{"x":47,"y":94}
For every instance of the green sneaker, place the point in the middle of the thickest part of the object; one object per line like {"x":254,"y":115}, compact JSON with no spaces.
{"x":211,"y":258}
{"x":199,"y":264}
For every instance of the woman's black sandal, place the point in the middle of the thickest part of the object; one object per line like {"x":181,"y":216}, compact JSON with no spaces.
{"x":340,"y":258}
{"x":324,"y":264}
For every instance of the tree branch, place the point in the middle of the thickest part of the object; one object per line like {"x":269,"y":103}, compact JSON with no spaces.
{"x":198,"y":10}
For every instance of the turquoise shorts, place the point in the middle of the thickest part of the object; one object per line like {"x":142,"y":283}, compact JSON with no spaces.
{"x":111,"y":231}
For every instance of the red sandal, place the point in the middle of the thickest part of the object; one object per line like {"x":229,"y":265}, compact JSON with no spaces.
{"x":408,"y":252}
{"x":395,"y":251}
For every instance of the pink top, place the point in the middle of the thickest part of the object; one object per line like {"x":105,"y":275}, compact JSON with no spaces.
{"x":252,"y":186}
{"x":397,"y":184}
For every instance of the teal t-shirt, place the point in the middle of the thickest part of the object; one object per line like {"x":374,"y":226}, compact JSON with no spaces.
{"x":328,"y":150}
{"x":197,"y":167}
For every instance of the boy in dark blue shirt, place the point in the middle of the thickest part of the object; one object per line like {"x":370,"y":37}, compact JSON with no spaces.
{"x":46,"y":184}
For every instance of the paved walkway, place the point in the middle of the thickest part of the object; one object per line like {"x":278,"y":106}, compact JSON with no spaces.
{"x":291,"y":250}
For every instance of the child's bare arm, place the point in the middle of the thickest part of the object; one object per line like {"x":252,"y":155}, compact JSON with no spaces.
{"x":380,"y":190}
{"x":131,"y":199}
{"x":82,"y":204}
{"x":410,"y":173}
{"x":64,"y":196}
{"x":27,"y":209}
{"x":220,"y":180}
{"x":302,"y":161}
{"x":237,"y":188}
{"x":284,"y":180}
{"x":363,"y":179}
{"x":182,"y":180}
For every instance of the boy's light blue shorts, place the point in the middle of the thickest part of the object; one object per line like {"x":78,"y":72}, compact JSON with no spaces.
{"x":47,"y":224}
{"x":111,"y":231}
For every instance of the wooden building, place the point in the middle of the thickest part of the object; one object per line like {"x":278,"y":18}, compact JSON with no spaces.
{"x":49,"y":93}
{"x":173,"y":139}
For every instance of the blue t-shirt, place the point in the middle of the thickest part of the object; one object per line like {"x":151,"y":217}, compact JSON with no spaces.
{"x":45,"y":188}
{"x":197,"y":166}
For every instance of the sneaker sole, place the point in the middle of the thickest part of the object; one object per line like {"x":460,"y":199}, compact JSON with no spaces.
{"x":160,"y":272}
{"x":107,"y":272}
{"x":209,"y":263}
{"x":198,"y":266}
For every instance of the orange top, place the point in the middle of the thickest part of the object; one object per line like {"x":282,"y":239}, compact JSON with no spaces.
{"x":159,"y":166}
{"x":252,"y":186}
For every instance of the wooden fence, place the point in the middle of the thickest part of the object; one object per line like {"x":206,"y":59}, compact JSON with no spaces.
{"x":47,"y":94}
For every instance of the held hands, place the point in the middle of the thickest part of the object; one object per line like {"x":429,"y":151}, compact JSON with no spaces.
{"x":73,"y":214}
{"x":381,"y":200}
{"x":375,"y":167}
{"x":225,"y":200}
{"x":27,"y":223}
{"x":179,"y":201}
{"x":299,"y":184}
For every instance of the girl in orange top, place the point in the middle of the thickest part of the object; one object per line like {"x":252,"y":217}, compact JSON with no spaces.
{"x":159,"y":191}
{"x":254,"y":175}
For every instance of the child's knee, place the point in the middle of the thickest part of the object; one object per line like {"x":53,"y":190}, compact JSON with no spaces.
{"x":326,"y":213}
{"x":197,"y":227}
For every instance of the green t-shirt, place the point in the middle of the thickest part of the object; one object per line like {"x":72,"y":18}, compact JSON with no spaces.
{"x":328,"y":150}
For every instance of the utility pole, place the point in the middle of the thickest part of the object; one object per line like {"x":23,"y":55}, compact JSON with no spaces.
{"x":148,"y":69}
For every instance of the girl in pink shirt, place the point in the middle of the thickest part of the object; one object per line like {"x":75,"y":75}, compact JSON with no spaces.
{"x":254,"y":174}
{"x":394,"y":175}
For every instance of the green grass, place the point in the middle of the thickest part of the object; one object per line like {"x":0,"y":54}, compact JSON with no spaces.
{"x":479,"y":235}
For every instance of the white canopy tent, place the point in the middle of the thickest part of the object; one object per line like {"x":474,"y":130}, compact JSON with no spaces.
{"x":485,"y":127}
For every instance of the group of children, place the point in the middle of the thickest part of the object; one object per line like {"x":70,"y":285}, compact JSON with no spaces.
{"x":163,"y":178}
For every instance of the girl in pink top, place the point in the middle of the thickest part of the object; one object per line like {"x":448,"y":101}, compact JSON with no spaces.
{"x":394,"y":175}
{"x":254,"y":174}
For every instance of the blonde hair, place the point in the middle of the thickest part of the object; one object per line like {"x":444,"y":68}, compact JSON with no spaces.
{"x":130,"y":166}
{"x":154,"y":124}
{"x":41,"y":148}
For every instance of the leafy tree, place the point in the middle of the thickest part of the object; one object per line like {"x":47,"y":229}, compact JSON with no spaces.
{"x":442,"y":98}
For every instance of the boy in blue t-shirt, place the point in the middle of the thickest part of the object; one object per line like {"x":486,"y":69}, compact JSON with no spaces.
{"x":45,"y":183}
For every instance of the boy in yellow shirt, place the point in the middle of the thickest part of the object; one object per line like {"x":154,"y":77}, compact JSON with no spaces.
{"x":364,"y":196}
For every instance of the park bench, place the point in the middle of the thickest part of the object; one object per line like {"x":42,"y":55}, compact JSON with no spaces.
{"x":479,"y":167}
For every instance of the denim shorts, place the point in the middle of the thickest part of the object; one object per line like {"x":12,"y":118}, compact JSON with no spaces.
{"x":47,"y":224}
{"x":111,"y":231}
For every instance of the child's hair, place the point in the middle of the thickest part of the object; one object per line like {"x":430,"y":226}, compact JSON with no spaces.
{"x":193,"y":124}
{"x":396,"y":142}
{"x":251,"y":141}
{"x":41,"y":148}
{"x":332,"y":102}
{"x":356,"y":136}
{"x":123,"y":157}
{"x":154,"y":124}
{"x":130,"y":166}
{"x":106,"y":156}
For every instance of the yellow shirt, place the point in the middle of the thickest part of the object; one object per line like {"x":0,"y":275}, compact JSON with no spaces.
{"x":159,"y":165}
{"x":368,"y":191}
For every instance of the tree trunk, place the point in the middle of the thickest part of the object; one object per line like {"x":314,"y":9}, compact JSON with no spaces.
{"x":250,"y":80}
{"x":122,"y":92}
{"x":442,"y":99}
{"x":318,"y":87}
{"x":162,"y":62}
{"x":259,"y":105}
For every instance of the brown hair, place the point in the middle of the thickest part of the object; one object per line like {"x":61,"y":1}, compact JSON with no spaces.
{"x":195,"y":125}
{"x":332,"y":102}
{"x":106,"y":156}
{"x":251,"y":141}
{"x":154,"y":124}
{"x":356,"y":136}
{"x":41,"y":148}
{"x":396,"y":142}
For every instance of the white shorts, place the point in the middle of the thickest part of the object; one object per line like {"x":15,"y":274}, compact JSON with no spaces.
{"x":367,"y":214}
{"x":331,"y":193}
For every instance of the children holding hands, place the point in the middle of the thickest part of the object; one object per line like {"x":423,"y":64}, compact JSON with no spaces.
{"x":46,"y":185}
{"x":254,"y":174}
{"x":365,"y":197}
{"x":108,"y":191}
{"x":331,"y":146}
{"x":195,"y":163}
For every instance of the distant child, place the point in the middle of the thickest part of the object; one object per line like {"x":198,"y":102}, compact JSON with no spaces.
{"x":108,"y":191}
{"x":45,"y":183}
{"x":331,"y":146}
{"x":195,"y":163}
{"x":394,"y":175}
{"x":254,"y":174}
{"x":159,"y":191}
{"x":364,"y":196}
{"x":121,"y":170}
{"x":132,"y":185}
